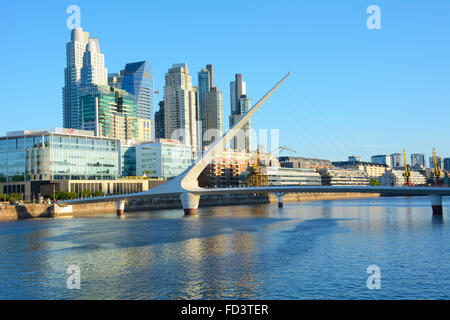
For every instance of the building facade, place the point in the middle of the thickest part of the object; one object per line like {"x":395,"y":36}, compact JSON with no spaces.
{"x":447,"y":164}
{"x":75,"y":50}
{"x":159,"y":122}
{"x":138,"y":81}
{"x":438,"y":160}
{"x":417,"y":160}
{"x":240,"y":103}
{"x":144,"y":130}
{"x":382,"y":159}
{"x":163,"y":159}
{"x":373,"y":170}
{"x":180,"y":109}
{"x":344,"y":177}
{"x":396,"y":178}
{"x":396,"y":160}
{"x":93,"y":71}
{"x":306,"y":163}
{"x":210,"y":102}
{"x":59,"y":154}
{"x":225,"y":169}
{"x":281,"y":176}
{"x":109,"y":112}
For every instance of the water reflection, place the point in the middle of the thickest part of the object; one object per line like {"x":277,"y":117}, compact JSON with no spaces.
{"x":306,"y":250}
{"x":437,"y":220}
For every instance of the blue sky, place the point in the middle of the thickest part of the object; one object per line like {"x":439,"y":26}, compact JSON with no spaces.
{"x":352,"y":91}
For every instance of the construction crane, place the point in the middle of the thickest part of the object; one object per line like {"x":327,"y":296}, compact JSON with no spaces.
{"x":407,"y":173}
{"x":255,"y":177}
{"x":282,"y":148}
{"x":437,"y":172}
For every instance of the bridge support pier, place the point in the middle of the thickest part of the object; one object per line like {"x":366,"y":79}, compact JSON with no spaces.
{"x":280,"y":199}
{"x":436,"y":204}
{"x":120,"y":207}
{"x":190,"y":203}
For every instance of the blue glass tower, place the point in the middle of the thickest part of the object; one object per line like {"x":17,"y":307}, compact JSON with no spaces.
{"x":138,"y":81}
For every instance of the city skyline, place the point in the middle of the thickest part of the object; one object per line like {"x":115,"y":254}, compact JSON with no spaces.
{"x":323,"y":131}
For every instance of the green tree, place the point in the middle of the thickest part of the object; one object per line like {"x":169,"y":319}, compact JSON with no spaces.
{"x":374,"y":182}
{"x":99,"y":193}
{"x":86,"y":193}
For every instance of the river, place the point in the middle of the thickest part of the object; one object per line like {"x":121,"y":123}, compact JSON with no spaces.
{"x":308,"y":250}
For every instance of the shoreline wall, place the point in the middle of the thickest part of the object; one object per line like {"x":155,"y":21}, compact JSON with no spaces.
{"x":28,"y":211}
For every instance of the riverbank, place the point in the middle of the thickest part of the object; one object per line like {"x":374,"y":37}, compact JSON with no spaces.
{"x":29,"y":211}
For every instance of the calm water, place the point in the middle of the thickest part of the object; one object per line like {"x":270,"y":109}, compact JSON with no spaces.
{"x":313,"y":250}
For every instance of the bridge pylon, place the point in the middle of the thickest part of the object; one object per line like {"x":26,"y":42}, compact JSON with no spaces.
{"x":436,"y":204}
{"x":120,"y":207}
{"x":190,"y":203}
{"x":280,"y":199}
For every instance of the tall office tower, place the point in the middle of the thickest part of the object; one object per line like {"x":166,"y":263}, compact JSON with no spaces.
{"x":382,"y":159}
{"x":418,"y":160}
{"x":93,"y":71}
{"x":159,"y":122}
{"x":396,"y":160}
{"x":210,"y":106}
{"x":439,"y":162}
{"x":213,"y":117}
{"x":179,"y":106}
{"x":447,"y":164}
{"x":137,"y":79}
{"x":240,"y":104}
{"x":109,"y":112}
{"x":75,"y":50}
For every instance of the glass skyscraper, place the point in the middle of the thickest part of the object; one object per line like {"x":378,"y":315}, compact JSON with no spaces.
{"x":85,"y":66}
{"x":137,"y":79}
{"x":210,"y":102}
{"x":240,"y":104}
{"x":109,"y":112}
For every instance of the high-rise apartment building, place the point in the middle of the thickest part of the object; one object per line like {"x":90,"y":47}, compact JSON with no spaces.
{"x":85,"y":65}
{"x":93,"y":71}
{"x":210,"y":105}
{"x":418,"y":160}
{"x":109,"y":112}
{"x":240,"y":104}
{"x":180,"y":110}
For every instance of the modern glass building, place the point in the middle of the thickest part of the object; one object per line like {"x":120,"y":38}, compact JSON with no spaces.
{"x":109,"y":112}
{"x":418,"y":160}
{"x":60,"y":154}
{"x":164,"y":159}
{"x":240,"y":104}
{"x":127,"y":160}
{"x":447,"y":164}
{"x":137,"y":79}
{"x":85,"y":65}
